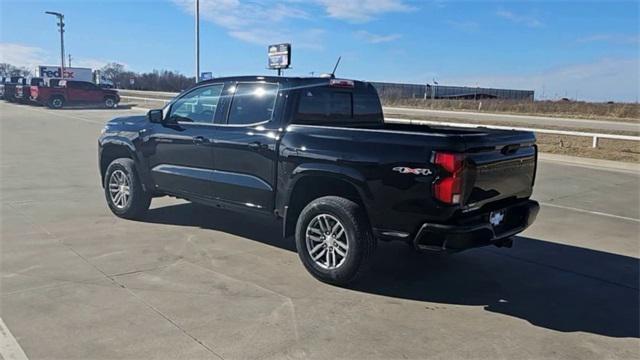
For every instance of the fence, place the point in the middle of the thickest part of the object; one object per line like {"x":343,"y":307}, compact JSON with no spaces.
{"x":418,"y":91}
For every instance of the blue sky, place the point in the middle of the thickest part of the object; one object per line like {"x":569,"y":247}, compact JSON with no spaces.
{"x":588,"y":49}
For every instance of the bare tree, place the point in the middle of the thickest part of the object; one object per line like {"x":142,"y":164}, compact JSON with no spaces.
{"x":12,"y":70}
{"x":113,"y":72}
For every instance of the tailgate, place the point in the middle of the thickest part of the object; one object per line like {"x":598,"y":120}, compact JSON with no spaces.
{"x":501,"y":164}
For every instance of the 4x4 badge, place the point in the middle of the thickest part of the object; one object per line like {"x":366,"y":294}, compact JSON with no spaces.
{"x":415,"y":171}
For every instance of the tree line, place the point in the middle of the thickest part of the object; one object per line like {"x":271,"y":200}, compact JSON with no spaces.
{"x":157,"y":80}
{"x":120,"y":77}
{"x":9,"y":70}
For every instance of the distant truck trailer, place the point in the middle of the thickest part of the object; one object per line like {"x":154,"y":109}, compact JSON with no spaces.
{"x":70,"y":73}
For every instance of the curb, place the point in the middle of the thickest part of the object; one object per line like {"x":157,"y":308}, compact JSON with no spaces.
{"x":592,"y":163}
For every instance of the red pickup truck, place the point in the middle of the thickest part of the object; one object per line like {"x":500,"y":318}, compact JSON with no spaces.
{"x":68,"y":92}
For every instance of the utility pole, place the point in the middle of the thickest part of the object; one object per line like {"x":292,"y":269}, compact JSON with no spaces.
{"x":197,"y":40}
{"x":60,"y":17}
{"x":69,"y":62}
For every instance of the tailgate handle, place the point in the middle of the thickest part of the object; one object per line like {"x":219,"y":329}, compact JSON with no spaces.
{"x":510,"y":149}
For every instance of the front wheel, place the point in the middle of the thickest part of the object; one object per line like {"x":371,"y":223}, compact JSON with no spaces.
{"x":56,"y":102}
{"x":123,"y":190}
{"x":333,"y":240}
{"x":110,"y":103}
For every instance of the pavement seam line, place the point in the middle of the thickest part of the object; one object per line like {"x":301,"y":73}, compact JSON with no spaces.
{"x":114,"y":281}
{"x":589,"y":211}
{"x":68,"y":116}
{"x":10,"y":349}
{"x":157,"y":311}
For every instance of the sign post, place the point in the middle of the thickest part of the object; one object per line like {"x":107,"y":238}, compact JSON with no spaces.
{"x":279,"y":57}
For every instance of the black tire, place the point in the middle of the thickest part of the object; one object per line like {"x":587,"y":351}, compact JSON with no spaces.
{"x":110,"y":102}
{"x":56,"y":102}
{"x":361,"y":243}
{"x":138,"y":200}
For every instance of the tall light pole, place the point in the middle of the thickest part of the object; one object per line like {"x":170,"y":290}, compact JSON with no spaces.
{"x":197,"y":40}
{"x":61,"y":29}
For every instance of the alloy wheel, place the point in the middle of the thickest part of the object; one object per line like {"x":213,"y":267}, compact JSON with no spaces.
{"x":119,"y":189}
{"x":327,"y":241}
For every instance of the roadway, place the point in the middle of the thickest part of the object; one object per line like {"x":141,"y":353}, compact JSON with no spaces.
{"x":194,"y":282}
{"x":518,"y":120}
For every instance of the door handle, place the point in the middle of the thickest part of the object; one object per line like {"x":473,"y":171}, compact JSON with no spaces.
{"x":256,"y":145}
{"x":199,"y":140}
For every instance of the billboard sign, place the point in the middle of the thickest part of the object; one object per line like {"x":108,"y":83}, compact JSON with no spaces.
{"x":279,"y":56}
{"x":206,"y":76}
{"x":71,"y":73}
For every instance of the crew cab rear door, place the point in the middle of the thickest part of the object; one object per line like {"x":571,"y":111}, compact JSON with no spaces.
{"x":93,"y":93}
{"x":245,"y":145}
{"x":74,"y":91}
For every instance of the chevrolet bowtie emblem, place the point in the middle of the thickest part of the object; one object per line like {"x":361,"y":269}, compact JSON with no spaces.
{"x":415,"y":171}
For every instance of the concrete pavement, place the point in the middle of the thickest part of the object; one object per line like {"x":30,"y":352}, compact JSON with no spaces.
{"x":193,"y":282}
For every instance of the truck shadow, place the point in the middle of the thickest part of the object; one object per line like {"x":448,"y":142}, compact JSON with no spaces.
{"x":555,"y":286}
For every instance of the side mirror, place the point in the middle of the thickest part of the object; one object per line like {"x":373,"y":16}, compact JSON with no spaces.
{"x":155,"y":116}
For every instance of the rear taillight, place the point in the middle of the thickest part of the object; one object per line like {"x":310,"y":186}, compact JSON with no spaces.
{"x":448,"y":188}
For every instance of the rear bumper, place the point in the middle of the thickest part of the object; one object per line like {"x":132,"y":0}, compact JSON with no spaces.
{"x":477,"y":230}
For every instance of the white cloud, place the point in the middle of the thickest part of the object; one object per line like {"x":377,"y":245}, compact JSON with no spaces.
{"x":527,"y":20}
{"x":363,"y":10}
{"x":308,"y":39}
{"x":601,"y":80}
{"x":23,"y":55}
{"x":375,"y":38}
{"x":264,"y":22}
{"x":611,"y":38}
{"x":32,"y":56}
{"x":257,"y":21}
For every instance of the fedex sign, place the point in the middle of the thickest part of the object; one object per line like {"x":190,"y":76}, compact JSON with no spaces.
{"x":53,"y":72}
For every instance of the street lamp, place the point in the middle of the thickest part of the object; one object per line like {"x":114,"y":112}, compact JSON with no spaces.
{"x":197,"y":13}
{"x":61,"y":29}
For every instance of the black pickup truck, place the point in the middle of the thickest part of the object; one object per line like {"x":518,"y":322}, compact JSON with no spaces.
{"x":9,"y":87}
{"x":316,"y":153}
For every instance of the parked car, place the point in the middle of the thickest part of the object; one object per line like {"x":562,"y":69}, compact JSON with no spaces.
{"x":10,"y":87}
{"x":22,"y":91}
{"x":3,"y":80}
{"x":70,"y":92}
{"x":317,"y":154}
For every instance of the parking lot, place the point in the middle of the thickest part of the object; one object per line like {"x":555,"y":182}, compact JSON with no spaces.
{"x":194,"y":282}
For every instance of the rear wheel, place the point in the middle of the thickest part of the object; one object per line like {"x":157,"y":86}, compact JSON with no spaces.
{"x":109,"y":102}
{"x":333,"y":240}
{"x":123,"y":190}
{"x":56,"y":102}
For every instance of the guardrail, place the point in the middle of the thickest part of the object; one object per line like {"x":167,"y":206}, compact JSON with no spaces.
{"x":164,"y":101}
{"x":594,"y":136}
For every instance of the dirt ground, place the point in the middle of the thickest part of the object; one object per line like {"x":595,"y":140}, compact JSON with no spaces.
{"x":627,"y":112}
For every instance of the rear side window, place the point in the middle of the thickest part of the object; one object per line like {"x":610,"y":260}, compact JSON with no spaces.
{"x":325,"y":105}
{"x":252,"y":103}
{"x":367,"y":107}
